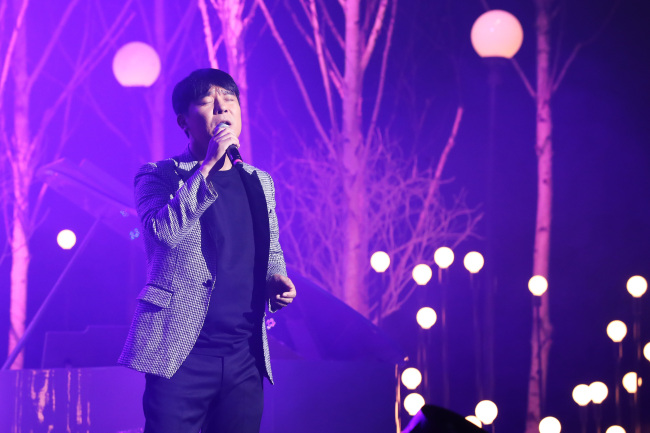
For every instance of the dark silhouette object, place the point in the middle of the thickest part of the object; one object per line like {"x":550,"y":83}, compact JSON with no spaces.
{"x":434,"y":419}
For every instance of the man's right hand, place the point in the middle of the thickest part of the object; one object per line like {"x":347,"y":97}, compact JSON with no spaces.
{"x":222,"y":139}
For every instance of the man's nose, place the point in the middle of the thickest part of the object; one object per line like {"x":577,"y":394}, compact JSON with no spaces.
{"x":219,"y":109}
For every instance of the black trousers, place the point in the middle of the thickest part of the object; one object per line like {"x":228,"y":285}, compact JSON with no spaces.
{"x":208,"y":394}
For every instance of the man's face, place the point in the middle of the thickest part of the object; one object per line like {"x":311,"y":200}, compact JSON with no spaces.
{"x":204,"y":114}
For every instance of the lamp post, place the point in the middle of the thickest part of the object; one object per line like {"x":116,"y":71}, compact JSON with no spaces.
{"x":426,"y":317}
{"x":637,"y":286}
{"x":444,"y":257}
{"x":582,"y":397}
{"x":538,"y":286}
{"x":616,"y":331}
{"x":496,"y":35}
{"x":598,"y":393}
{"x":474,"y":262}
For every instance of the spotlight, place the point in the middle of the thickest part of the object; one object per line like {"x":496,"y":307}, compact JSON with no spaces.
{"x":581,"y":395}
{"x":550,"y":425}
{"x":598,"y":392}
{"x":637,"y":286}
{"x":422,"y":274}
{"x":537,"y":285}
{"x":66,"y":239}
{"x":631,"y":382}
{"x":443,"y":257}
{"x":411,"y":378}
{"x":413,"y":403}
{"x":426,"y":317}
{"x":380,"y":261}
{"x":473,"y":262}
{"x":486,"y":411}
{"x":136,"y":64}
{"x":616,"y":330}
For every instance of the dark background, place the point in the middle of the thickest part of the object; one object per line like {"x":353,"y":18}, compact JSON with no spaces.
{"x":600,"y":234}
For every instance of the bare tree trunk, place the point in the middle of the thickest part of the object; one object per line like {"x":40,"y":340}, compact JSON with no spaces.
{"x":543,"y":147}
{"x":22,"y":172}
{"x":355,"y":248}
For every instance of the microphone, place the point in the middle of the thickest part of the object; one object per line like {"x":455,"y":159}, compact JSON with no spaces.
{"x":232,"y":151}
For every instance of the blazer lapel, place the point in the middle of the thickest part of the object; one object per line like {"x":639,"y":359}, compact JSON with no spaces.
{"x":260,"y":215}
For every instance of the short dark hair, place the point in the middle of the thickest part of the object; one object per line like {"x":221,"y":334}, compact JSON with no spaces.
{"x":197,"y":84}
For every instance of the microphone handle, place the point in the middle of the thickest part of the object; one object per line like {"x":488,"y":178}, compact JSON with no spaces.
{"x":233,"y":155}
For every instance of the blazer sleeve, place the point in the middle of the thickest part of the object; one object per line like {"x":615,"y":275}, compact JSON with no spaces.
{"x":276,"y":256}
{"x":168,"y":213}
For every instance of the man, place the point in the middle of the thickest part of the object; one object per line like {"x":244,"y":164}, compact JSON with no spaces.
{"x":214,"y":263}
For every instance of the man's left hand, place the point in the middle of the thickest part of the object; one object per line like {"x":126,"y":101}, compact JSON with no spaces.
{"x":281,"y":291}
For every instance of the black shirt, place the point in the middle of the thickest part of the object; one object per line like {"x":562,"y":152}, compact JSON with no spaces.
{"x":233,"y":316}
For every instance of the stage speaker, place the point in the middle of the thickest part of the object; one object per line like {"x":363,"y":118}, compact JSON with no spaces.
{"x":434,"y":419}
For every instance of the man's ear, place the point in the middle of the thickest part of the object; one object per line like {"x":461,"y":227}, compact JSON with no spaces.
{"x":180,"y":119}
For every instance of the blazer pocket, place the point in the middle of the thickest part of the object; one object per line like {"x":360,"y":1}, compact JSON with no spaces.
{"x":156,"y":296}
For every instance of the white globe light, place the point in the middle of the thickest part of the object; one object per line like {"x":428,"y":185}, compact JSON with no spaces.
{"x":615,"y":429}
{"x":413,"y":403}
{"x":537,"y":285}
{"x":426,"y":317}
{"x":486,"y":411}
{"x":136,"y":64}
{"x":380,"y":261}
{"x":66,"y":239}
{"x":598,"y":392}
{"x":646,"y":351}
{"x":443,"y":257}
{"x":616,"y":330}
{"x":473,"y":262}
{"x":422,"y":274}
{"x":474,"y":420}
{"x":631,"y":382}
{"x":637,"y":286}
{"x":497,"y":33}
{"x":411,"y":378}
{"x":581,"y":395}
{"x":550,"y":425}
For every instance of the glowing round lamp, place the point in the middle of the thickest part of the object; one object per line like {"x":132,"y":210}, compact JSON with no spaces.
{"x":422,"y":274}
{"x":631,"y":382}
{"x":413,"y":403}
{"x":443,"y":257}
{"x":136,"y":64}
{"x":497,"y":33}
{"x":598,"y":392}
{"x":615,"y":429}
{"x":646,"y":351}
{"x":380,"y":261}
{"x":66,"y":239}
{"x":474,"y":420}
{"x":616,"y":330}
{"x":411,"y":378}
{"x":537,"y":285}
{"x":486,"y":411}
{"x":550,"y":425}
{"x":473,"y":262}
{"x":426,"y":317}
{"x":581,"y":395}
{"x":637,"y":286}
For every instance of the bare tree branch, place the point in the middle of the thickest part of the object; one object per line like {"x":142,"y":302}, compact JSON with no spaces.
{"x":10,"y":47}
{"x":374,"y":34}
{"x":382,"y":75}
{"x":207,"y":31}
{"x":321,"y":61}
{"x":52,"y":41}
{"x":296,"y":74}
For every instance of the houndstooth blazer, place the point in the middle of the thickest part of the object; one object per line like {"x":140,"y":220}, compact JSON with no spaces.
{"x":171,"y":196}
